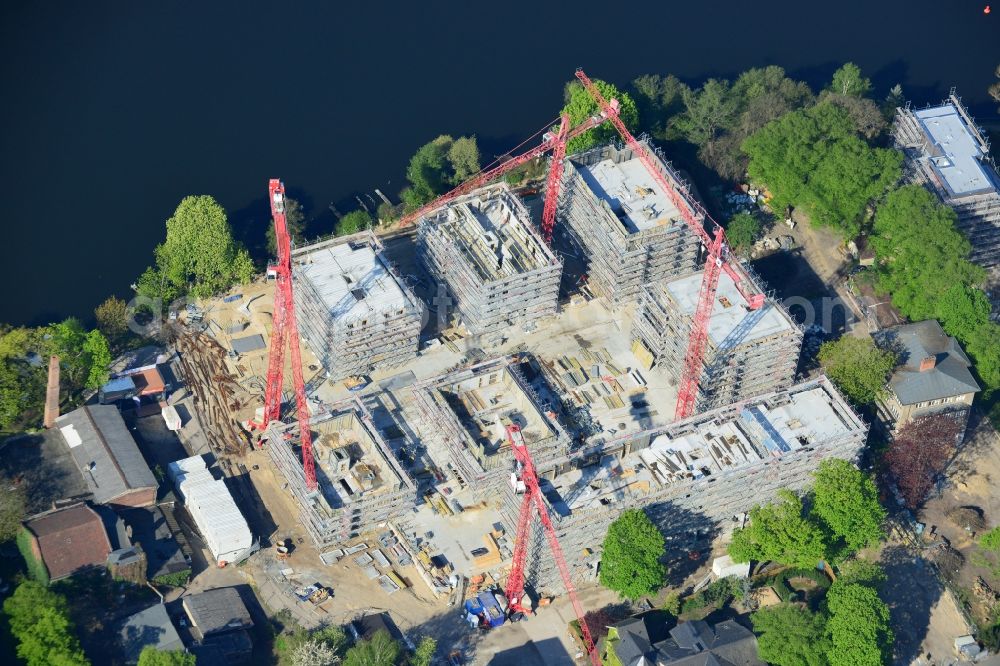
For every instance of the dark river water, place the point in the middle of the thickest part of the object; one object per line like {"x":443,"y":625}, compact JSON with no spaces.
{"x":113,"y":111}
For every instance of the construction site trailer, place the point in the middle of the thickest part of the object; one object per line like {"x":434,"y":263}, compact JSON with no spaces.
{"x":213,"y":510}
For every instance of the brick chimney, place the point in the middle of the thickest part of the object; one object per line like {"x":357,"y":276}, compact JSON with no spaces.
{"x":928,"y":363}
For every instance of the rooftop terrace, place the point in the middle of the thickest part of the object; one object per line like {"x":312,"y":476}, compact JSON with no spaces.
{"x":956,"y":153}
{"x":631,"y":192}
{"x":732,"y":322}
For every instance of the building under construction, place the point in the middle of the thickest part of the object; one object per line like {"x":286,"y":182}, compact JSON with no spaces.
{"x":464,"y":414}
{"x":352,"y":308}
{"x":497,"y":269}
{"x":360,"y":483}
{"x":948,"y":153}
{"x":748,"y":352}
{"x":628,"y":228}
{"x":694,"y":478}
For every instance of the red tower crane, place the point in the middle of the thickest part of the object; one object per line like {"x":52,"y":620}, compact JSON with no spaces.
{"x":716,"y":261}
{"x":284,"y":328}
{"x":531,"y":503}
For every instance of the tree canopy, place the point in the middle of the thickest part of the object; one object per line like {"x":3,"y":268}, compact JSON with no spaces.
{"x":846,"y":501}
{"x":858,"y":626}
{"x":379,"y":650}
{"x":920,"y":452}
{"x":789,"y":635}
{"x":814,"y":159}
{"x":920,"y":253}
{"x":150,"y":656}
{"x":437,"y":166}
{"x":857,"y":367}
{"x":112,"y":319}
{"x":780,"y":532}
{"x":424,"y":654}
{"x":848,"y":80}
{"x":199,"y":254}
{"x":40,"y":622}
{"x":580,"y":106}
{"x":743,"y":231}
{"x":630,"y":562}
{"x":353,"y":222}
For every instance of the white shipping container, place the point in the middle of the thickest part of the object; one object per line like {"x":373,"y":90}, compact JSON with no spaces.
{"x":212,"y":508}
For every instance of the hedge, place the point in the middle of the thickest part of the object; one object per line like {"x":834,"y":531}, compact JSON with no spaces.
{"x":36,"y":568}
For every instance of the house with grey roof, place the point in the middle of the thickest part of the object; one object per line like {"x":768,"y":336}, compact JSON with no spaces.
{"x":646,"y":641}
{"x":107,"y":457}
{"x":933,"y":375}
{"x":148,"y":628}
{"x":216,"y":611}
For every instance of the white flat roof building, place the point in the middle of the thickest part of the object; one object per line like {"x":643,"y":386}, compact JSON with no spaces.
{"x":356,"y":314}
{"x":958,"y":154}
{"x":638,"y":201}
{"x":730,"y":311}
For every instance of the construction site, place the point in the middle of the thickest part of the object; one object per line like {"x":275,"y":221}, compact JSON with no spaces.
{"x":625,"y":223}
{"x":749,"y":352}
{"x":356,"y":313}
{"x":497,"y":269}
{"x":475,"y":447}
{"x":360,"y":484}
{"x":947,"y":152}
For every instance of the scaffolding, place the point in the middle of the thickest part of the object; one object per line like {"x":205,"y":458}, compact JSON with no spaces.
{"x":497,"y":269}
{"x":361,"y":485}
{"x":973,"y":192}
{"x":690,"y":477}
{"x":354,"y":311}
{"x":629,"y":231}
{"x":464,"y":414}
{"x":749,"y":352}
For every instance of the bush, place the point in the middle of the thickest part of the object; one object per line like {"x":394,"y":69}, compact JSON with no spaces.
{"x":36,"y":568}
{"x":176,"y":579}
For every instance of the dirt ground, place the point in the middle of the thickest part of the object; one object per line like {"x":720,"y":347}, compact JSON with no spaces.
{"x":971,"y":481}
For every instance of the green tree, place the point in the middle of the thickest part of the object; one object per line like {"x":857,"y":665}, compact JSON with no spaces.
{"x":743,"y":231}
{"x":846,"y":501}
{"x":780,"y":532}
{"x":112,"y":319}
{"x":920,"y":262}
{"x":199,"y":248}
{"x":865,"y":114}
{"x":295,"y":223}
{"x":40,"y":622}
{"x":994,"y":89}
{"x":150,"y":656}
{"x":984,"y":347}
{"x":707,"y":112}
{"x":789,"y":635}
{"x":657,"y":99}
{"x":243,"y":267}
{"x":12,"y":508}
{"x":424,"y":654}
{"x":463,"y":156}
{"x":857,"y":367}
{"x":98,"y":353}
{"x":353,"y":222}
{"x":858,"y":627}
{"x":848,"y":81}
{"x":379,"y":650}
{"x":436,"y":166}
{"x":13,"y":396}
{"x":580,"y":106}
{"x":630,"y":562}
{"x":813,"y":158}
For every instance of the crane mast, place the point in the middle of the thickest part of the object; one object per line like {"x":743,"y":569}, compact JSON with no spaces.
{"x":531,"y":503}
{"x":716,"y":261}
{"x":284,"y":328}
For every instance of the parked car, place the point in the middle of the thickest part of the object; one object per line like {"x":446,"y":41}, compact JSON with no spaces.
{"x":479,"y":552}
